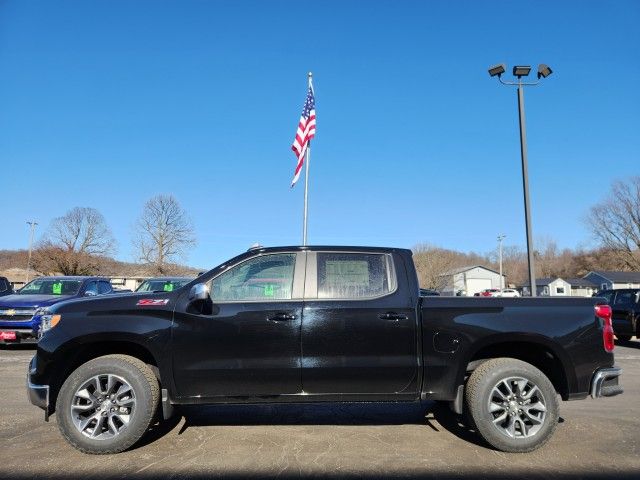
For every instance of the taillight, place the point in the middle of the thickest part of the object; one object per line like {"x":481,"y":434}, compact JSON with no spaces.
{"x":604,"y":312}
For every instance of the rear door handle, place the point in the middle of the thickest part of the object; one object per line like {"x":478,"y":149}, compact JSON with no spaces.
{"x":392,"y":316}
{"x":281,"y":317}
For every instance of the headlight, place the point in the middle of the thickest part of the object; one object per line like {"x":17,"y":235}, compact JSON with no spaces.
{"x":48,"y":322}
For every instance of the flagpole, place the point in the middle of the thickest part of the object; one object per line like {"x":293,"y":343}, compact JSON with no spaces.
{"x":306,"y":182}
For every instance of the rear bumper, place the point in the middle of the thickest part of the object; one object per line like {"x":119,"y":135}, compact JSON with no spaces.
{"x":605,"y":382}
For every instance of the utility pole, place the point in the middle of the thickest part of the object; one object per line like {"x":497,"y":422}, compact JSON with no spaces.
{"x":32,"y":225}
{"x":500,"y":238}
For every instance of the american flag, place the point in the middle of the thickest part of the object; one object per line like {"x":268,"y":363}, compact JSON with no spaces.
{"x":306,"y":131}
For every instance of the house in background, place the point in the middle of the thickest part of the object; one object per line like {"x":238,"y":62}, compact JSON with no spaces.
{"x":582,"y":287}
{"x":18,"y":276}
{"x":612,"y":280}
{"x":549,"y":287}
{"x":470,"y":280}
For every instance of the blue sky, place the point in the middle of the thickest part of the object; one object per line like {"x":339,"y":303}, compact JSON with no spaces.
{"x":105,"y":104}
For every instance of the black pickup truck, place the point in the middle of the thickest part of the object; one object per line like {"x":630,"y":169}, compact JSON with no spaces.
{"x":625,"y":306}
{"x":318,"y":324}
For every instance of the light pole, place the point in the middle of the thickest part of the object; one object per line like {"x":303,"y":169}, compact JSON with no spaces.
{"x":32,"y":225}
{"x":500,"y":238}
{"x":520,"y":71}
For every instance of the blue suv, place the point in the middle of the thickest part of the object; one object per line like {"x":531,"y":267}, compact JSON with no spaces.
{"x":20,"y":313}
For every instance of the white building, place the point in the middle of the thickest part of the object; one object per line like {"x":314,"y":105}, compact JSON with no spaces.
{"x":549,"y":287}
{"x":470,"y":280}
{"x":613,"y":280}
{"x":582,"y":287}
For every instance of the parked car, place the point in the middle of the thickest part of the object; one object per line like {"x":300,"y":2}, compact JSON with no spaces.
{"x":310,"y":324}
{"x":21,"y":312}
{"x":625,"y":304}
{"x":488,"y":292}
{"x":163,"y":284}
{"x":5,"y":287}
{"x":508,"y":293}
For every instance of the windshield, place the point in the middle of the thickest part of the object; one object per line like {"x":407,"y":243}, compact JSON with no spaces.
{"x":161,"y":285}
{"x":51,"y":286}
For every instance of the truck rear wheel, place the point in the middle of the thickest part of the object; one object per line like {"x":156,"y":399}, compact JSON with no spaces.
{"x":512,"y":405}
{"x":107,"y":404}
{"x":623,"y":338}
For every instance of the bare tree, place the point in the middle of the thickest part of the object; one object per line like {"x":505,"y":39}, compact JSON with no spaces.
{"x":164,"y":232}
{"x":432,"y":263}
{"x":74,"y":242}
{"x":615,"y":222}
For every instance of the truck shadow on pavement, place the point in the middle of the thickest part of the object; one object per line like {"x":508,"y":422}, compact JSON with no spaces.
{"x":433,"y":415}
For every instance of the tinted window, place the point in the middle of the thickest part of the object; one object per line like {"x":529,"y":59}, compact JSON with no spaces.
{"x":104,"y":287}
{"x":92,"y":287}
{"x":161,"y":285}
{"x":49,"y":286}
{"x":624,"y":298}
{"x":354,"y":275}
{"x":268,"y":277}
{"x":608,"y":295}
{"x":4,"y":285}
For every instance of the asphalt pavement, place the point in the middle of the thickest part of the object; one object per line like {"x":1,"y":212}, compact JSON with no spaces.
{"x":596,"y":439}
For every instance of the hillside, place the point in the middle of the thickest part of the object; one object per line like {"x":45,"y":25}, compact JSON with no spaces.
{"x":13,"y":265}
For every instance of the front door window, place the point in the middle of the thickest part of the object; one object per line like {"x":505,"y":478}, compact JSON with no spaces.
{"x":264,"y":278}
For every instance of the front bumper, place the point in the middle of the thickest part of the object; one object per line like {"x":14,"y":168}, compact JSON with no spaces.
{"x":605,"y":382}
{"x":38,"y":394}
{"x":21,"y":334}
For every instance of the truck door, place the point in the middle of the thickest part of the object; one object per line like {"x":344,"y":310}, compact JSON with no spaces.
{"x":245,"y":339}
{"x":359,"y":330}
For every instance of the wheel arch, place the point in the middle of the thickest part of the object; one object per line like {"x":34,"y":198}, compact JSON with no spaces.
{"x":81,"y":353}
{"x":538,"y":351}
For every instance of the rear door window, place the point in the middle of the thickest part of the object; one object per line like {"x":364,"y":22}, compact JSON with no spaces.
{"x":92,"y":288}
{"x":104,"y":287}
{"x":354,"y":275}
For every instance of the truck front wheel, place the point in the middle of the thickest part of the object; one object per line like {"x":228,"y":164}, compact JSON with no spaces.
{"x":107,"y":404}
{"x":512,"y":404}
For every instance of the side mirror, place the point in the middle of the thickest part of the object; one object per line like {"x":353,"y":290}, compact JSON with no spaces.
{"x":199,"y":291}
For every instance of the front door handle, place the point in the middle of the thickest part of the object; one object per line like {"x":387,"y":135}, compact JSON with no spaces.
{"x":281,"y":317}
{"x":392,"y":316}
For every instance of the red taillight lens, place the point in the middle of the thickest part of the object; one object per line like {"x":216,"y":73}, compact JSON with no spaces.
{"x":604,"y":312}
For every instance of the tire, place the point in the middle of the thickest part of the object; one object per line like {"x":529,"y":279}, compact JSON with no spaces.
{"x":623,"y":338}
{"x":501,"y":384}
{"x":95,"y":410}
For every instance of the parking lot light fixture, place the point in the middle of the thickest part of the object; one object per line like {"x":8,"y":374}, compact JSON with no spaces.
{"x":497,"y":70}
{"x":544,"y":71}
{"x":522,"y":71}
